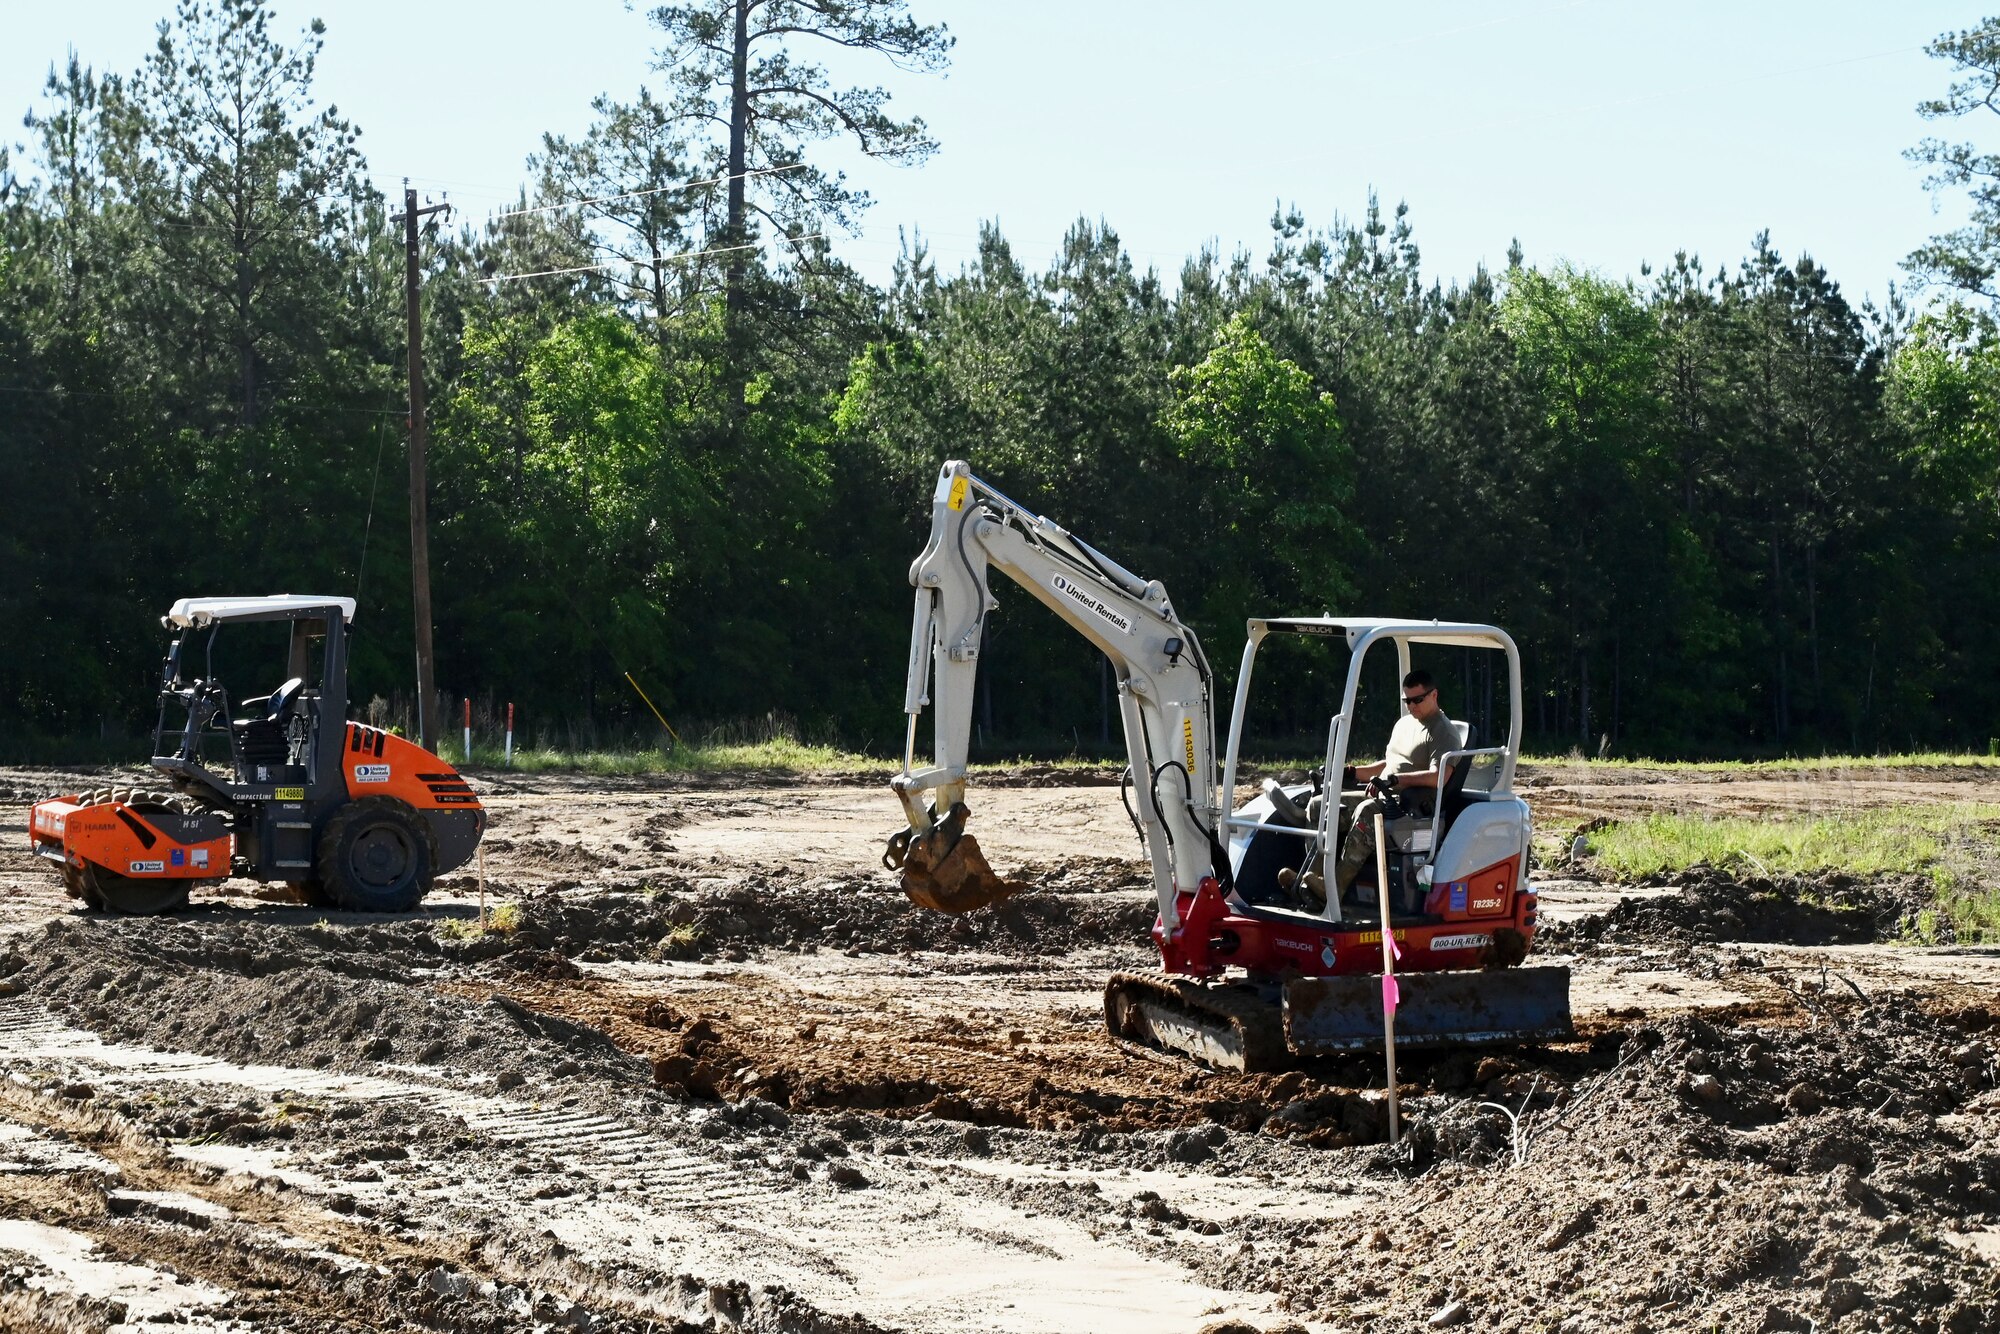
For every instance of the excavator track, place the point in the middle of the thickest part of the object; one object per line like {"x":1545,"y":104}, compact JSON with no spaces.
{"x":1226,"y":1026}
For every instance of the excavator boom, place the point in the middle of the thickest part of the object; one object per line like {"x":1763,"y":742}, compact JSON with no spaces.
{"x":1163,"y":692}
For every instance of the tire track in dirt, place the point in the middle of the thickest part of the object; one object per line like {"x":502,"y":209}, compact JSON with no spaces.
{"x":732,"y":1220}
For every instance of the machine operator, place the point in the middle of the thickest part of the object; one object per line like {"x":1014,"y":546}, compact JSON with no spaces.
{"x":1421,"y":735}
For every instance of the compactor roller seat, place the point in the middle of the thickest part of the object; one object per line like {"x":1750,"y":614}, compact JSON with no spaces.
{"x":262,"y":740}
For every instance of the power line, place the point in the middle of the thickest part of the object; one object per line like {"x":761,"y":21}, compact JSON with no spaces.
{"x":638,"y":194}
{"x":657,"y":259}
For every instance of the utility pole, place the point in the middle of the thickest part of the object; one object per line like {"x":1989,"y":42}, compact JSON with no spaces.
{"x":420,"y":543}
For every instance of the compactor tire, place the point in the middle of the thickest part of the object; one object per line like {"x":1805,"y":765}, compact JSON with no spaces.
{"x":376,"y":855}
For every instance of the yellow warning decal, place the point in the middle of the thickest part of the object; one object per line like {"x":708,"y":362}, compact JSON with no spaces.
{"x":1187,"y":735}
{"x":956,"y":500}
{"x":289,"y":794}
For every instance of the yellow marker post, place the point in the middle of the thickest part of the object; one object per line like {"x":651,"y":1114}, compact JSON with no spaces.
{"x":656,"y":712}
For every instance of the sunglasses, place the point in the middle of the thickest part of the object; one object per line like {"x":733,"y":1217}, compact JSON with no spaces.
{"x":1420,"y":696}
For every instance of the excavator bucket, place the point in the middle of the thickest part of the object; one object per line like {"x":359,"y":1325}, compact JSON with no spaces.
{"x":1436,"y":1010}
{"x":944,"y":870}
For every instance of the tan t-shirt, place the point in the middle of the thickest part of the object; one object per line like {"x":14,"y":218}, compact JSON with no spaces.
{"x":1415,"y":745}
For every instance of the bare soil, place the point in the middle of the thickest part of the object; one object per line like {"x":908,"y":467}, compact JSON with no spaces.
{"x":721,"y":1075}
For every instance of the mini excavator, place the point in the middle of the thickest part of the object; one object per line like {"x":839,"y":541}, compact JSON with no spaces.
{"x":1255,"y":969}
{"x":348,"y":815}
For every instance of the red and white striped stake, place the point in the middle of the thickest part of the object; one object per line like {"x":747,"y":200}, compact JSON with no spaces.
{"x":1391,"y":993}
{"x":510,"y":737}
{"x":468,"y":729}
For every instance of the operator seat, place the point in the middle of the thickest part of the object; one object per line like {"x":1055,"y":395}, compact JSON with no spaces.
{"x":261,"y":740}
{"x":1451,"y":797}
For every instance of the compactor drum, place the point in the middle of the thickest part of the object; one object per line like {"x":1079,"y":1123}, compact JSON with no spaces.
{"x":1263,"y":956}
{"x":349,"y":815}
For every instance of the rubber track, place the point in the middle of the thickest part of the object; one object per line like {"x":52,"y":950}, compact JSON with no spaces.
{"x":1257,"y":1024}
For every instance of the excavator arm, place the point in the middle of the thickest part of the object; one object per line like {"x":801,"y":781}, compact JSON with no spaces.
{"x":1164,"y":693}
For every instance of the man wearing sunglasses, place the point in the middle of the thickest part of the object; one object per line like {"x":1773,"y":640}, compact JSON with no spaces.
{"x":1409,"y":766}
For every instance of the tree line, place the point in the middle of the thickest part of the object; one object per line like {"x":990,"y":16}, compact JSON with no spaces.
{"x":1724,"y":509}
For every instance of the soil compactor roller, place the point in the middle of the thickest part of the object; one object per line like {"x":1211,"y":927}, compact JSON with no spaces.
{"x":347,"y":814}
{"x":1254,"y":970}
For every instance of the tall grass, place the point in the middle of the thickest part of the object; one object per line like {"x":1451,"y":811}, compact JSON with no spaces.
{"x":1957,"y":846}
{"x":1869,"y":842}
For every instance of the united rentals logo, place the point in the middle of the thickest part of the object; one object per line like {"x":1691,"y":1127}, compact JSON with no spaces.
{"x":1089,"y":602}
{"x":371,"y":773}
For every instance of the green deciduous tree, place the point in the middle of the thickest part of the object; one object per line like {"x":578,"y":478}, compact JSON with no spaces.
{"x":1269,"y":474}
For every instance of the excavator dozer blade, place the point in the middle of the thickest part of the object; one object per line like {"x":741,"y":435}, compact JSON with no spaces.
{"x":1436,"y":1010}
{"x":959,"y":880}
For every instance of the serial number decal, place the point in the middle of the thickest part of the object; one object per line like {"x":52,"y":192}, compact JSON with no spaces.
{"x":371,"y":773}
{"x":146,"y":868}
{"x":1083,"y":598}
{"x":1471,"y":942}
{"x":289,"y":794}
{"x":1187,"y":735}
{"x":1375,"y":937}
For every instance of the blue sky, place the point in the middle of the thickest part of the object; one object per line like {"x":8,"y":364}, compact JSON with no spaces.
{"x":1603,"y":132}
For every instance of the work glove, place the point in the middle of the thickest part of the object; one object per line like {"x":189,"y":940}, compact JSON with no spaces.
{"x":1348,"y":778}
{"x":1382,"y":784}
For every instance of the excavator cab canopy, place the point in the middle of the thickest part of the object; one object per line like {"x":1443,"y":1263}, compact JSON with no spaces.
{"x":1360,"y":634}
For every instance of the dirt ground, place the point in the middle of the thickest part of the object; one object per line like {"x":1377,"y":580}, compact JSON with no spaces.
{"x":720,"y":1075}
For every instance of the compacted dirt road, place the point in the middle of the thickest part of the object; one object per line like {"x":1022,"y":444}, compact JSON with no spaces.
{"x":715,"y":1073}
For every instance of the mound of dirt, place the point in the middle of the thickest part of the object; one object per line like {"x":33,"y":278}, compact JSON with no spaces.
{"x":1710,"y":905}
{"x":687,"y":921}
{"x":1715,"y":1177}
{"x":344,"y":998}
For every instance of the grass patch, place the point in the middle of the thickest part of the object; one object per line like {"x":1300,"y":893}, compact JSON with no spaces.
{"x":504,"y":918}
{"x":683,"y":942}
{"x":1912,"y":839}
{"x":779,"y":756}
{"x":1785,"y":765}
